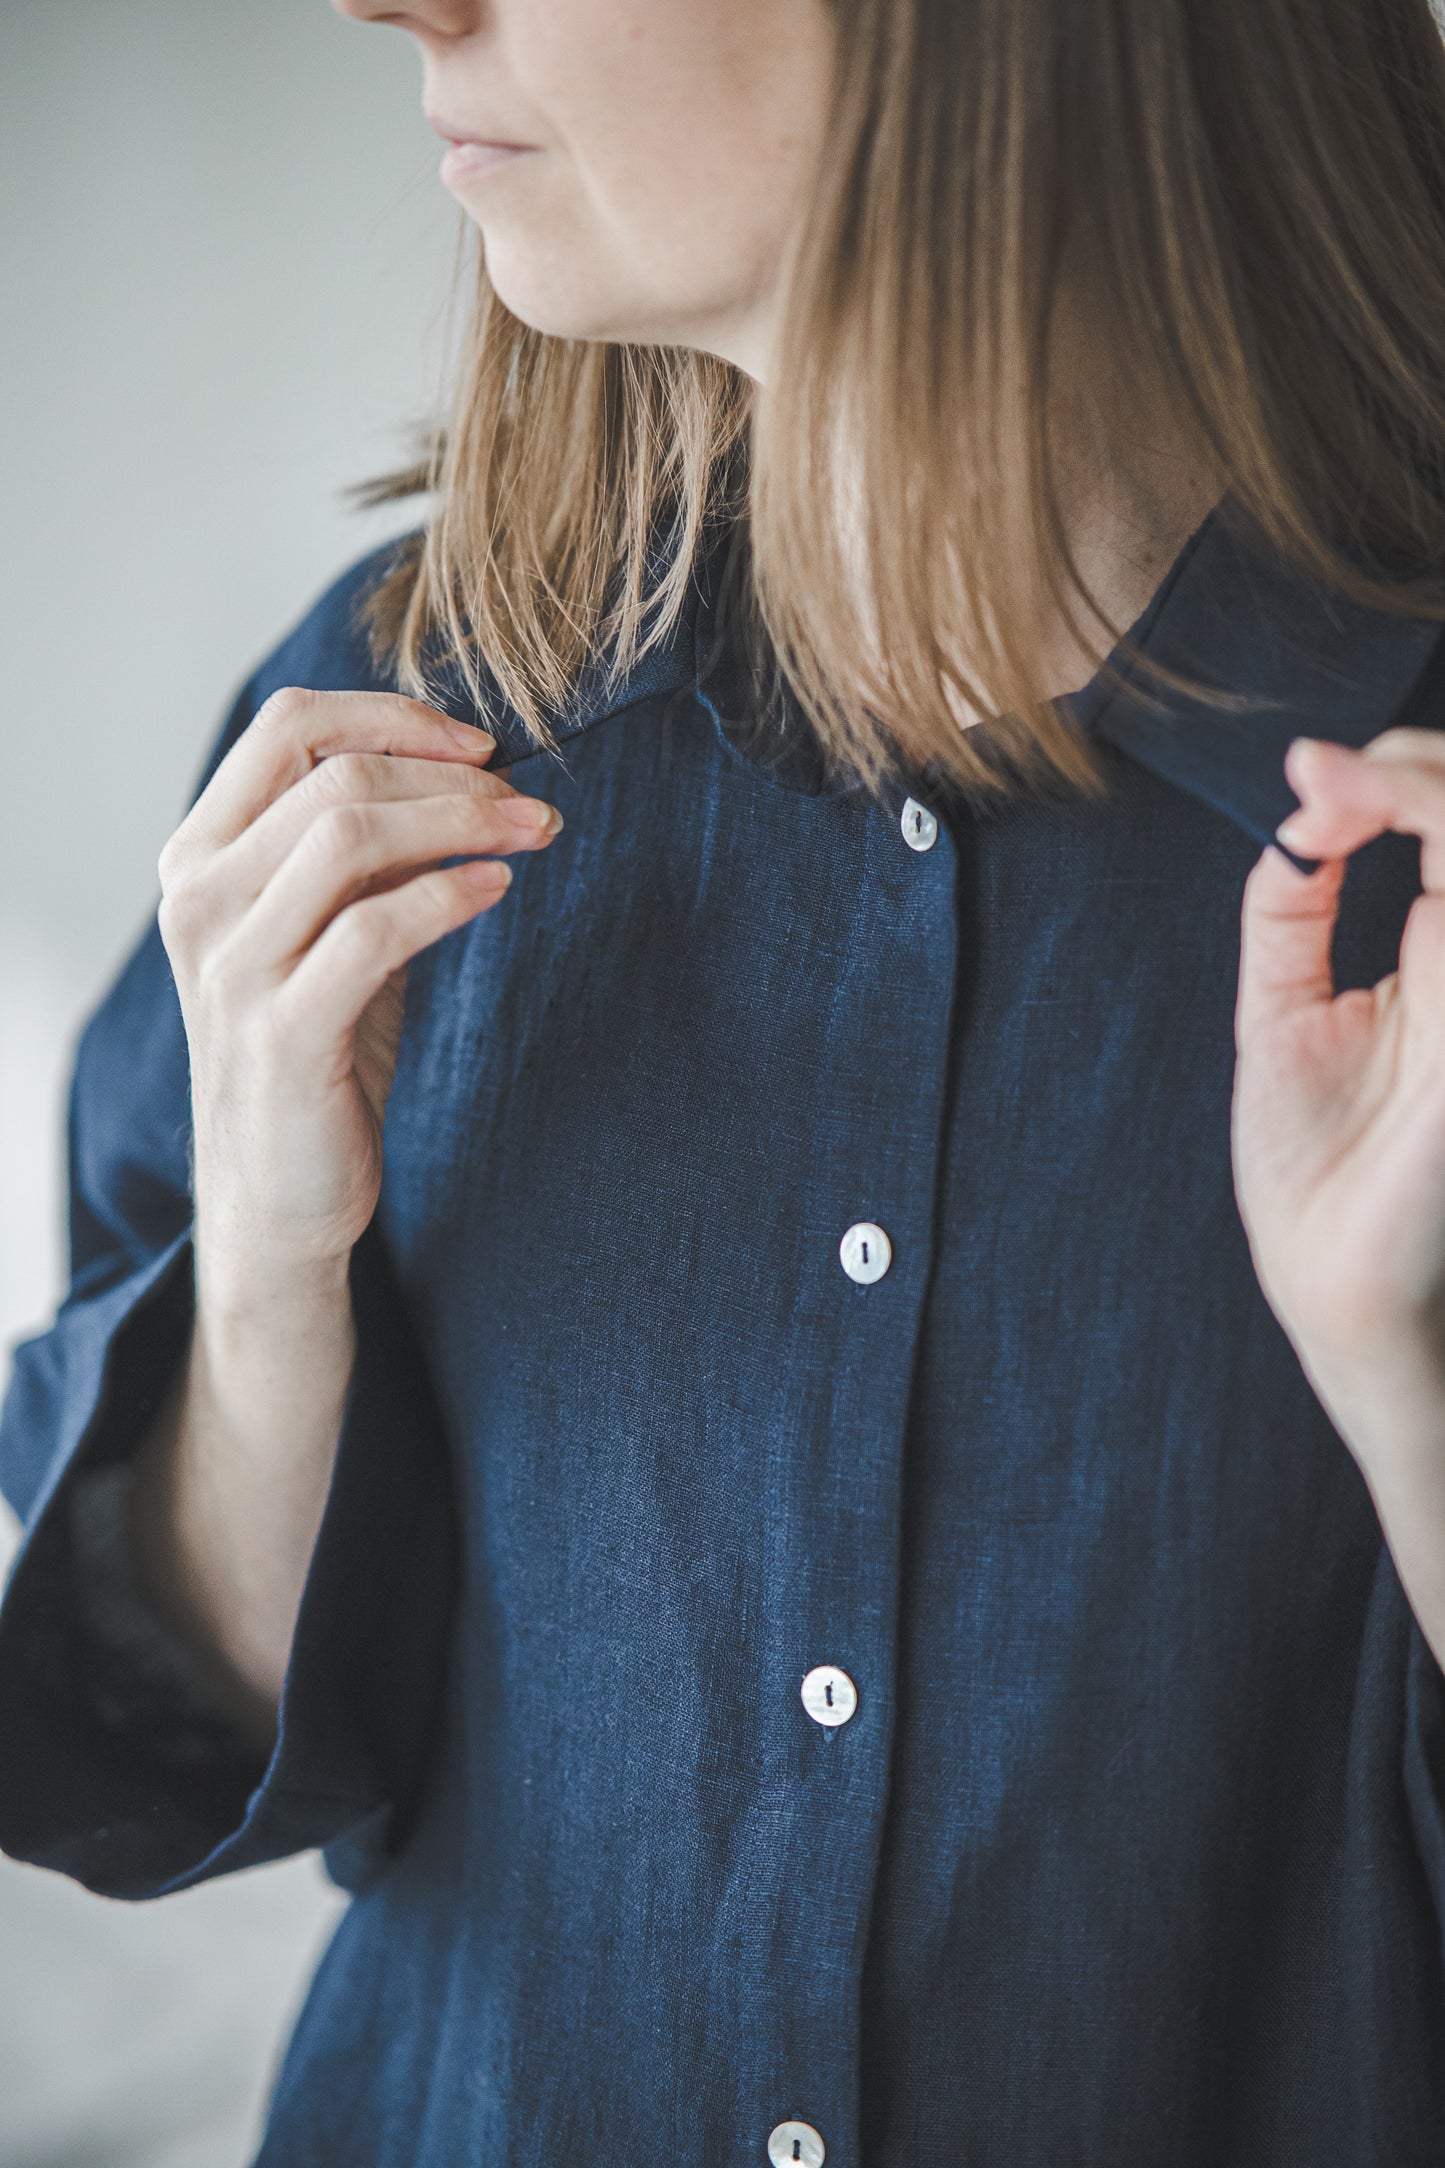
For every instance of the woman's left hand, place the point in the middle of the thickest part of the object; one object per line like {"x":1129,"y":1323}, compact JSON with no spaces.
{"x":1339,"y":1120}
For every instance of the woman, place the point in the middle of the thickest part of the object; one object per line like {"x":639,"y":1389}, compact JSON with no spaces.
{"x":827,"y":1598}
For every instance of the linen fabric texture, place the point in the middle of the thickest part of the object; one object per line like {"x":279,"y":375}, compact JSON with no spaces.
{"x":1133,"y":1850}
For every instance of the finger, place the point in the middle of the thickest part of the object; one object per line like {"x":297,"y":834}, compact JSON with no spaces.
{"x":1422,"y":978}
{"x":355,"y":847}
{"x":294,"y":730}
{"x":242,"y":869}
{"x":1348,"y":796}
{"x":1425,"y":746}
{"x":370,"y":939}
{"x":1287,"y":932}
{"x":1419,"y":757}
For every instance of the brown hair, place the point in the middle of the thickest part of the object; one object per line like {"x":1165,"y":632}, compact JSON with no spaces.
{"x":1236,"y":209}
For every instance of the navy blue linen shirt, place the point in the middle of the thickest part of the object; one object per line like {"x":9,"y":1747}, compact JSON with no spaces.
{"x":1133,"y":1850}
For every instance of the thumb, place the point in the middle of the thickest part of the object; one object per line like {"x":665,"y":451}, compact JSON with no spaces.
{"x":1286,"y":937}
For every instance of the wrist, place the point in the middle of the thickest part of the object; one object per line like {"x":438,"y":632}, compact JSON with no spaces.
{"x":262,"y":1336}
{"x":241,"y":1290}
{"x":1387,"y":1398}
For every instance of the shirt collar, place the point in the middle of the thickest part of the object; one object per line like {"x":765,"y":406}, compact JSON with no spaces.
{"x":667,"y":670}
{"x":698,"y":658}
{"x":1299,"y":660}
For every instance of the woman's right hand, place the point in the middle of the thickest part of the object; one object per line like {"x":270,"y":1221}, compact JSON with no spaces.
{"x":295,"y":893}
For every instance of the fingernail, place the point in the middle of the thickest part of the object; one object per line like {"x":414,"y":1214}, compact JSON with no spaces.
{"x":1331,"y":747}
{"x":1289,"y":828}
{"x":530,"y":813}
{"x":475,"y":741}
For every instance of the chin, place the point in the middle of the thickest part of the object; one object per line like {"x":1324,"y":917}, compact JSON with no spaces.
{"x":562,"y":293}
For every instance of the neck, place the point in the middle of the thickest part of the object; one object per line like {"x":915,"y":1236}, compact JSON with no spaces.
{"x":1125,"y":536}
{"x":1134,"y":489}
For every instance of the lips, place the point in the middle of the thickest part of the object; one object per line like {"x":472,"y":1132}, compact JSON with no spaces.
{"x":476,"y":138}
{"x":465,"y":161}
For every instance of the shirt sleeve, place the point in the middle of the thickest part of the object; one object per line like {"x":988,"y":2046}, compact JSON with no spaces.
{"x":104,"y":1774}
{"x":145,"y":1679}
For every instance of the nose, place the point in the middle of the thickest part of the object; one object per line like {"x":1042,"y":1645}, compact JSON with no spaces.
{"x":424,"y":18}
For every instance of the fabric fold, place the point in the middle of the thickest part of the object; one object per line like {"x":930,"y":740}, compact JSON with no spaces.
{"x":91,"y":1783}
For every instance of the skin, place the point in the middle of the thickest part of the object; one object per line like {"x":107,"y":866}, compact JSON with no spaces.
{"x":1339,"y":1136}
{"x":660,"y":159}
{"x":669,"y":148}
{"x":293,"y":896}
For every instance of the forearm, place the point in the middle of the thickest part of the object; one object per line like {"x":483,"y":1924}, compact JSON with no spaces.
{"x":318,"y":861}
{"x":1392,"y":1416}
{"x":230,"y":1485}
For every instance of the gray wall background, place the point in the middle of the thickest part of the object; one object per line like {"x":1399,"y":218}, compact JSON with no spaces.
{"x":224,"y":259}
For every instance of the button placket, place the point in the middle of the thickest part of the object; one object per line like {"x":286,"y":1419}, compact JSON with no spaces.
{"x":893,"y":1167}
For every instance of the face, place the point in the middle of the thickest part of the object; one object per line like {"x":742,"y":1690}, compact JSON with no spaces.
{"x":638,"y":168}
